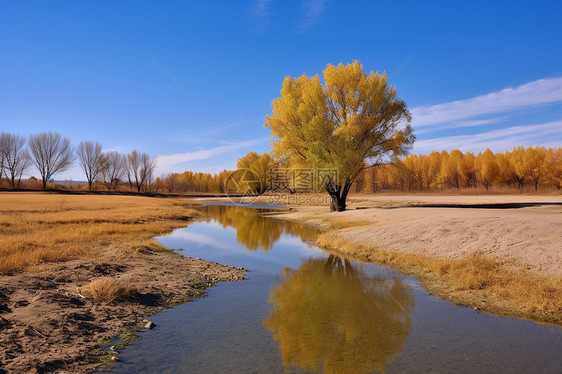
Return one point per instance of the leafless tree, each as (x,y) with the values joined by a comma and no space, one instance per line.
(1,163)
(139,169)
(50,154)
(91,160)
(15,157)
(112,169)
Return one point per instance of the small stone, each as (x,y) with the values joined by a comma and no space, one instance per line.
(114,358)
(149,325)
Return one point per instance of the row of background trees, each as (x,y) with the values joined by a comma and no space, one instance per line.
(519,169)
(50,153)
(522,168)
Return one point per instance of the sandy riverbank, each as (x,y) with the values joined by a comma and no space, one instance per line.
(504,256)
(530,234)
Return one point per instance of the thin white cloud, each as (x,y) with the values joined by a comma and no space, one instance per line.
(542,91)
(260,14)
(462,124)
(169,163)
(498,140)
(475,122)
(311,12)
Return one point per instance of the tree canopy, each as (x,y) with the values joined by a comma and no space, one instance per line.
(351,122)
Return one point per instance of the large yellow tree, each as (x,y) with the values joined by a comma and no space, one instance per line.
(350,122)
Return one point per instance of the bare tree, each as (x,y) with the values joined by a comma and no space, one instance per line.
(139,169)
(1,163)
(112,169)
(50,154)
(91,160)
(15,157)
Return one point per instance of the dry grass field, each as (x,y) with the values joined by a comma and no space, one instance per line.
(79,270)
(503,287)
(40,227)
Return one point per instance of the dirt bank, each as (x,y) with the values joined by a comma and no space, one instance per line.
(51,245)
(46,326)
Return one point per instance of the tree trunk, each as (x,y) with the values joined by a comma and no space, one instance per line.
(338,194)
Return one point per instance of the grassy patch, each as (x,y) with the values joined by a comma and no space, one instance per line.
(108,289)
(498,286)
(42,227)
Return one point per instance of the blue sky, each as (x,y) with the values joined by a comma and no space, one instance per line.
(474,74)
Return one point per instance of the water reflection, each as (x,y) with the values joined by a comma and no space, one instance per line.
(256,231)
(328,316)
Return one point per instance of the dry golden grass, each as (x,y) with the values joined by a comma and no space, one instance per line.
(499,286)
(47,227)
(108,289)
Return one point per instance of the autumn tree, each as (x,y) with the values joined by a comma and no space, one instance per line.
(351,122)
(467,170)
(450,175)
(488,168)
(111,171)
(553,167)
(14,156)
(91,160)
(534,160)
(260,166)
(51,153)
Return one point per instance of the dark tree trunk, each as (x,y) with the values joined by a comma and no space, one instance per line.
(338,195)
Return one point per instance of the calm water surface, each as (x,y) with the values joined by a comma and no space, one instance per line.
(304,310)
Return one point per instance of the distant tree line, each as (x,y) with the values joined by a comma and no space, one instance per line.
(189,181)
(224,181)
(531,168)
(50,153)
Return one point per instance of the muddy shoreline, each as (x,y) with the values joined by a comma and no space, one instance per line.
(46,326)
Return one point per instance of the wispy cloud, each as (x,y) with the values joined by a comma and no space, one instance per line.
(260,14)
(170,163)
(462,124)
(310,13)
(498,140)
(542,91)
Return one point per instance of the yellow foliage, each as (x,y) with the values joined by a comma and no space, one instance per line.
(349,124)
(260,166)
(533,166)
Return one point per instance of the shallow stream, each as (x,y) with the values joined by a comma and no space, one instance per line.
(304,310)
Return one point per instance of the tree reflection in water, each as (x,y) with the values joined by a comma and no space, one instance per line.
(254,230)
(329,317)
